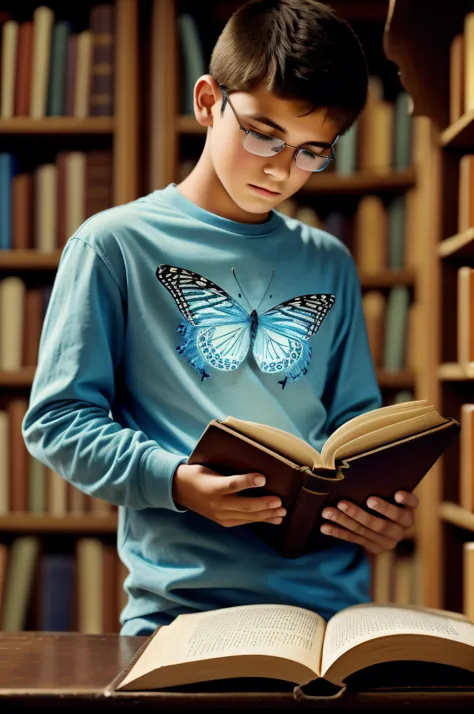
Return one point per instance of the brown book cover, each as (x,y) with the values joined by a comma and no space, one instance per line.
(18,456)
(24,69)
(61,163)
(109,589)
(365,468)
(22,198)
(102,81)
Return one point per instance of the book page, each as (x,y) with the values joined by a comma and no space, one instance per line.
(362,623)
(287,444)
(370,425)
(384,435)
(272,630)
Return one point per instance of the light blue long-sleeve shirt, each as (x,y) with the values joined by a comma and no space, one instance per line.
(115,406)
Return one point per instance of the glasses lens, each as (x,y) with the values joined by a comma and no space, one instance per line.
(308,161)
(262,144)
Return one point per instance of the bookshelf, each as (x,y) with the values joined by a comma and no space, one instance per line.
(443,51)
(86,547)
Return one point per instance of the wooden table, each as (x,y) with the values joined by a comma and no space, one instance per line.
(69,672)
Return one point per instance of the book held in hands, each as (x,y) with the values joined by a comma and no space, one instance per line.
(377,453)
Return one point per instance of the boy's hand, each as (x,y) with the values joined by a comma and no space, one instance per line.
(213,496)
(352,524)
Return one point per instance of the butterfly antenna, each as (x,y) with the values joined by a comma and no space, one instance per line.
(268,288)
(240,287)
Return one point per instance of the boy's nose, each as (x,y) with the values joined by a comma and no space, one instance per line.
(279,166)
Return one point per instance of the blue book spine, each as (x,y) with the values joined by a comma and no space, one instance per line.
(57,596)
(6,174)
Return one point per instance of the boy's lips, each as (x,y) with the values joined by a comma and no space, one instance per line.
(264,191)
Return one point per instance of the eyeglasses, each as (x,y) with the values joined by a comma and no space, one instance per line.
(260,144)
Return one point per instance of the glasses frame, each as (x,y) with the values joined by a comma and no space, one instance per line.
(226,100)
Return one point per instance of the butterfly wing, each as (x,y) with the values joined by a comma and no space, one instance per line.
(218,329)
(201,302)
(281,344)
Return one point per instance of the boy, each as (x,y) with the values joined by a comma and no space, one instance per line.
(152,330)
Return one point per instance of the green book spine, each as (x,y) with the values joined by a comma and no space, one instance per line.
(36,486)
(57,70)
(192,60)
(398,304)
(23,558)
(346,152)
(396,233)
(403,131)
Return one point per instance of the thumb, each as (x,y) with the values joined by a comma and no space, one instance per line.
(240,482)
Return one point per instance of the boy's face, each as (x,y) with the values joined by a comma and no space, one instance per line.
(244,175)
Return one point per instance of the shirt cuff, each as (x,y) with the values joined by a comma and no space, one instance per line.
(156,478)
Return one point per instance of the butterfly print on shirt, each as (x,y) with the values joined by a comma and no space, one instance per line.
(219,332)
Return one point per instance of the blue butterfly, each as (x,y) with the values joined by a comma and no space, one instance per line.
(219,332)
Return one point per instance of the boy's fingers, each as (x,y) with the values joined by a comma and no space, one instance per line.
(268,515)
(234,484)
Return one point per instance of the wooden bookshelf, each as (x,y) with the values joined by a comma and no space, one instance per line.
(459,135)
(29,260)
(454,372)
(74,524)
(17,378)
(403,379)
(452,513)
(57,125)
(386,278)
(361,182)
(420,58)
(460,245)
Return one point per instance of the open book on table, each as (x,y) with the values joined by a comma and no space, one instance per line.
(374,454)
(296,645)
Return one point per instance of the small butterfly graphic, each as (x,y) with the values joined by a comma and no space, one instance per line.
(219,332)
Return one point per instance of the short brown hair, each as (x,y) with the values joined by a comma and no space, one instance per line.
(300,50)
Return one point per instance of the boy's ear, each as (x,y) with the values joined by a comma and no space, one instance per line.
(206,95)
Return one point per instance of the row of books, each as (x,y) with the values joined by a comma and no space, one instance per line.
(27,485)
(42,209)
(48,69)
(392,322)
(22,311)
(377,233)
(61,592)
(461,71)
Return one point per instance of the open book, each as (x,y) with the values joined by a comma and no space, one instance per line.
(296,645)
(374,454)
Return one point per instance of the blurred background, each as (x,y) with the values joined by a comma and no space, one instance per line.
(96,110)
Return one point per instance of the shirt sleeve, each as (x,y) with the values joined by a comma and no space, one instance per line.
(352,387)
(68,425)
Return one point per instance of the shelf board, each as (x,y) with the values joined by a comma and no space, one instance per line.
(39,523)
(386,278)
(452,513)
(188,124)
(403,379)
(460,135)
(459,245)
(361,182)
(17,377)
(57,125)
(29,260)
(452,371)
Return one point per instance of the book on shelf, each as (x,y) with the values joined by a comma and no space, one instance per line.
(465,317)
(468,580)
(296,645)
(47,69)
(373,454)
(466,472)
